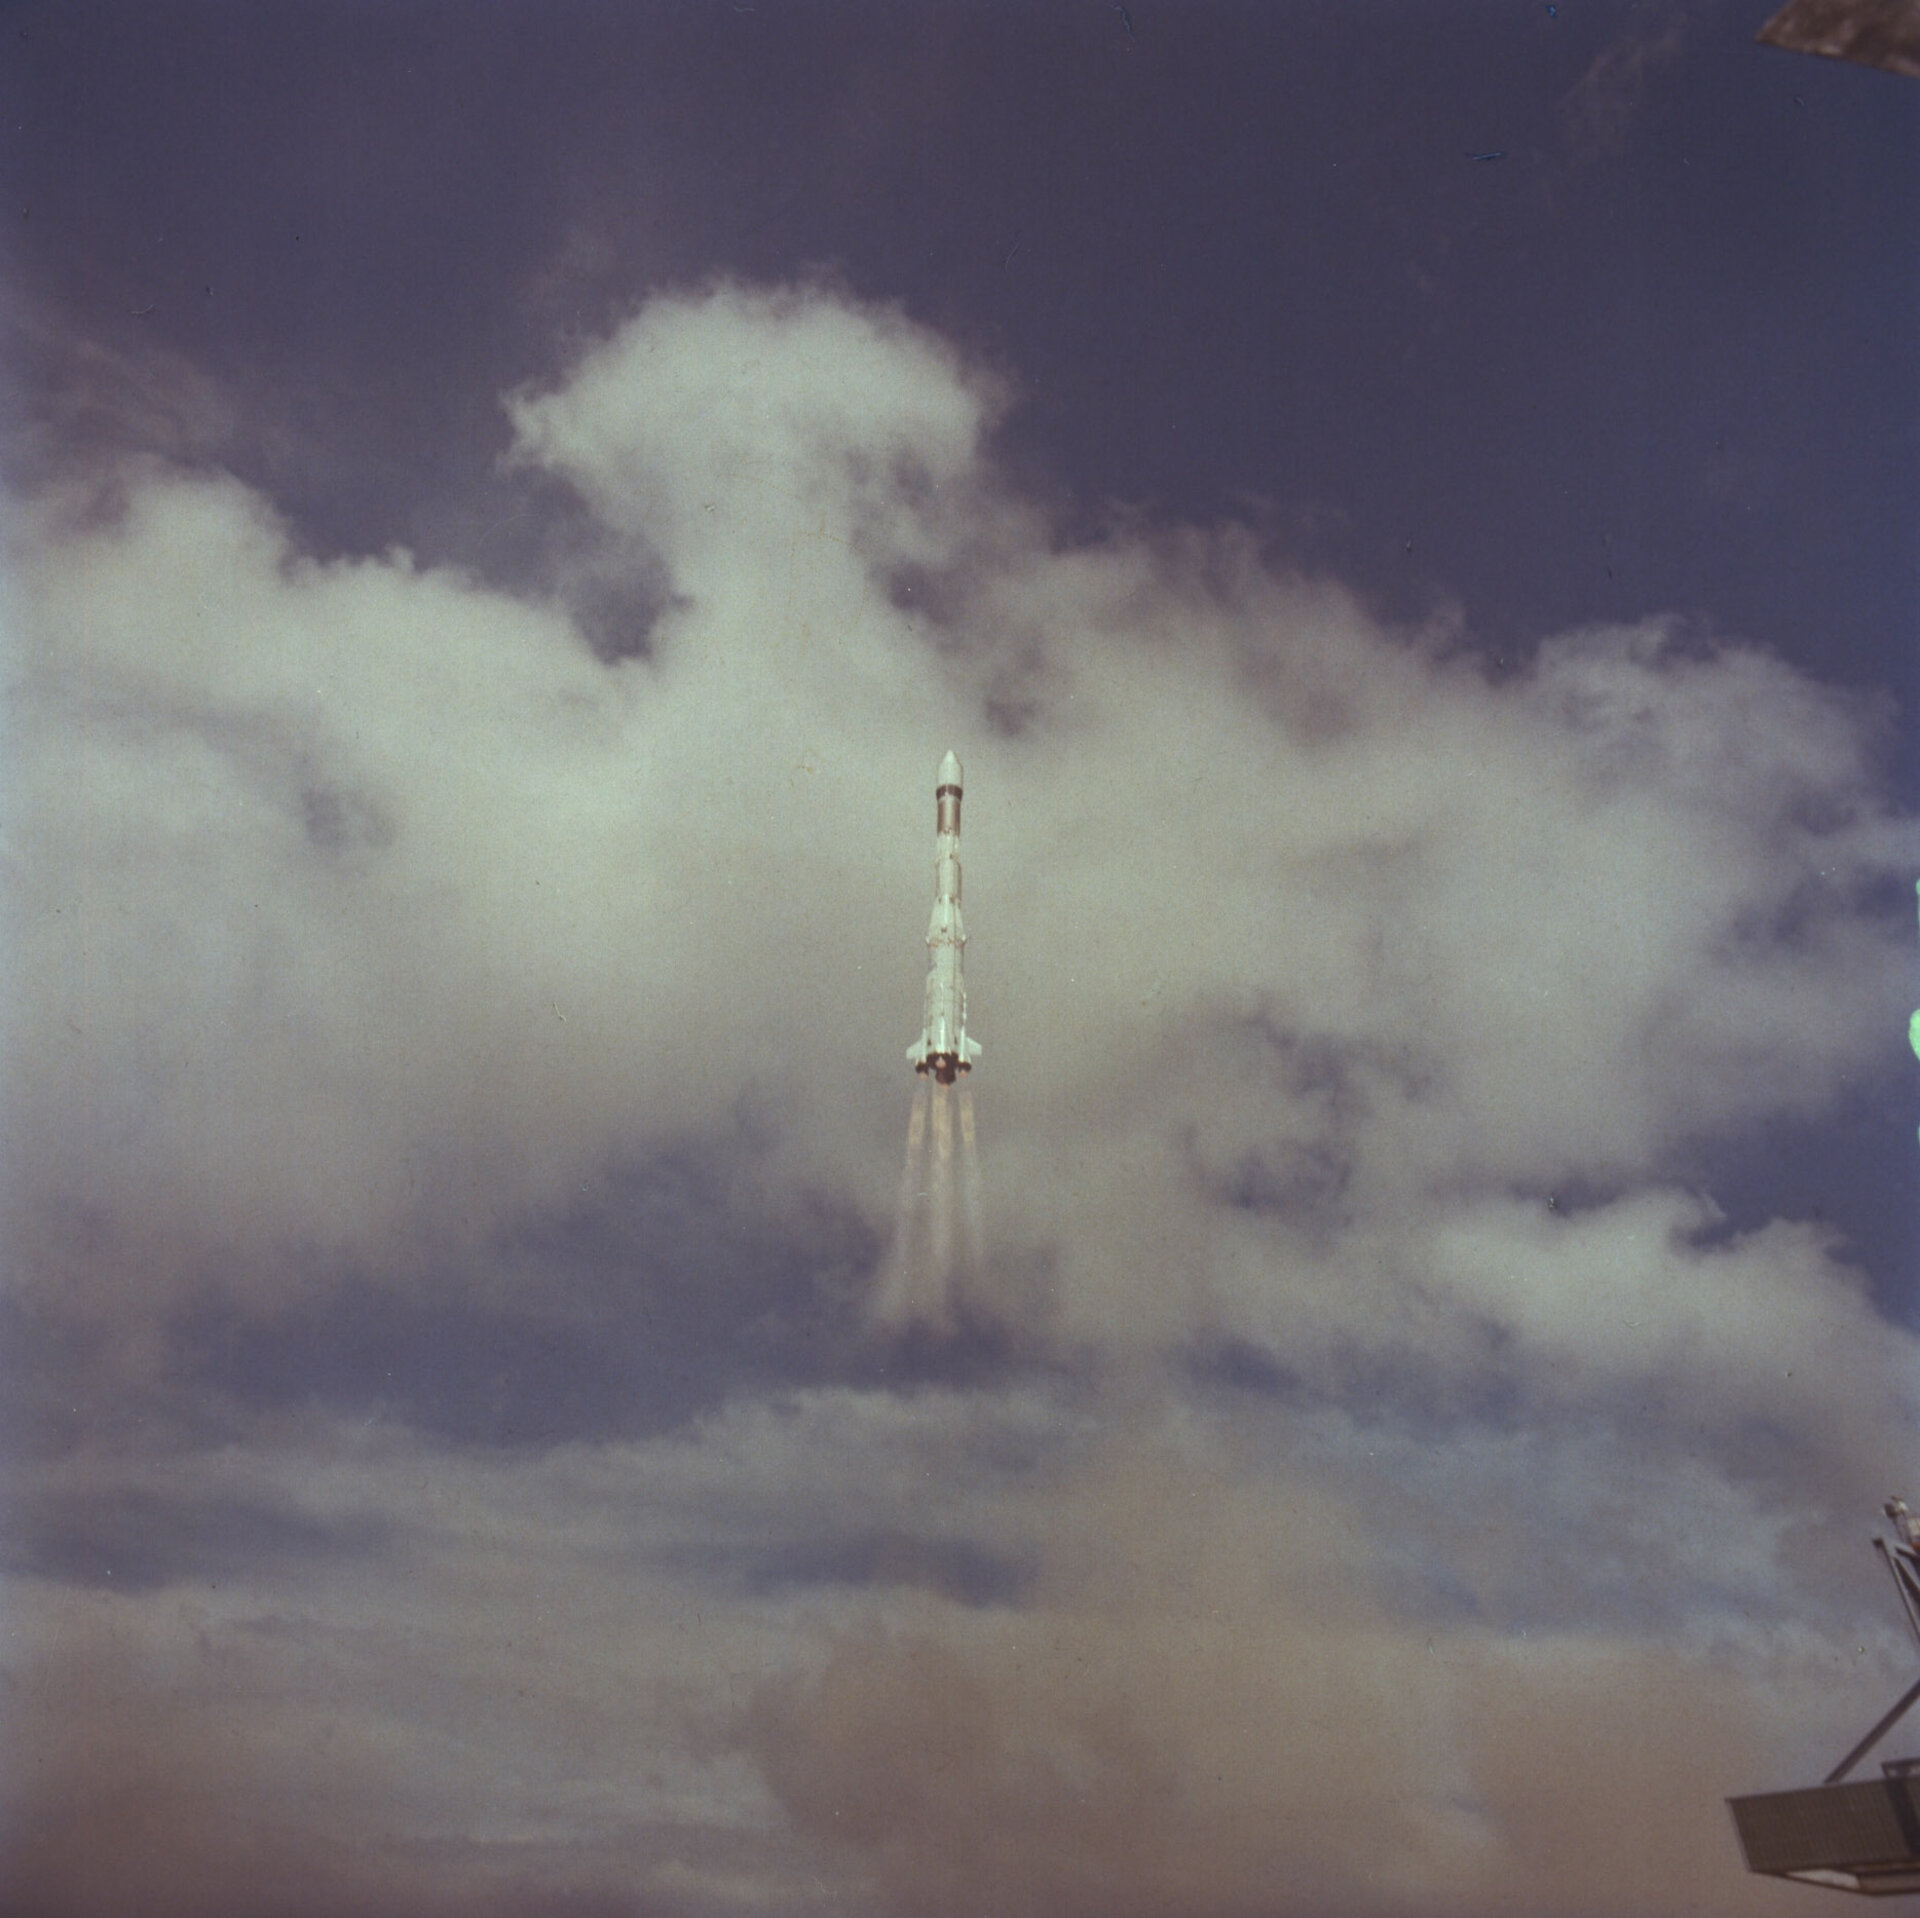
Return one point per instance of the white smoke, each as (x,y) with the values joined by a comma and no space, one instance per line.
(933,1269)
(363,911)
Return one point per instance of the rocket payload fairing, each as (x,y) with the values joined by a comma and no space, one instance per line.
(943,1047)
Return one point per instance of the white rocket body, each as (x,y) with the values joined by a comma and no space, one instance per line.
(943,1048)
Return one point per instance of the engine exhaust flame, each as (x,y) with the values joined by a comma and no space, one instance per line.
(934,1263)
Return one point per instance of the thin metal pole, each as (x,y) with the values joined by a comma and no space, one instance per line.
(1900,1564)
(1873,1737)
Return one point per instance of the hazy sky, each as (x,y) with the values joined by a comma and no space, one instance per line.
(1410,515)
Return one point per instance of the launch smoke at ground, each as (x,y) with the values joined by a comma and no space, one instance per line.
(936,1251)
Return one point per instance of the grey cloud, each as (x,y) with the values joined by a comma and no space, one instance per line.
(1636,1313)
(394,908)
(132,1539)
(650,1302)
(959,1569)
(76,403)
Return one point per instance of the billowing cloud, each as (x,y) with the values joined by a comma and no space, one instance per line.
(432,998)
(358,897)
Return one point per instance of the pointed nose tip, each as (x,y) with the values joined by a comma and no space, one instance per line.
(950,770)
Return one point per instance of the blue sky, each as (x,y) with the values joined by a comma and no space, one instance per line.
(1408,518)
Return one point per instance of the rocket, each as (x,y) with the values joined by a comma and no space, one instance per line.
(943,1047)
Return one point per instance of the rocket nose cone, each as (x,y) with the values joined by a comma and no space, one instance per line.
(950,770)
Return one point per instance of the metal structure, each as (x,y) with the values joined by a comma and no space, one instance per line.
(943,1048)
(1865,1836)
(1872,33)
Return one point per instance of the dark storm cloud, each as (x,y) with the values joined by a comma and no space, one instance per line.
(633,1312)
(959,1569)
(627,1314)
(134,1540)
(53,1361)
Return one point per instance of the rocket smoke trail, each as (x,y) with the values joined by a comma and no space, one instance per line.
(901,1298)
(937,1233)
(972,1204)
(940,1187)
(934,1266)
